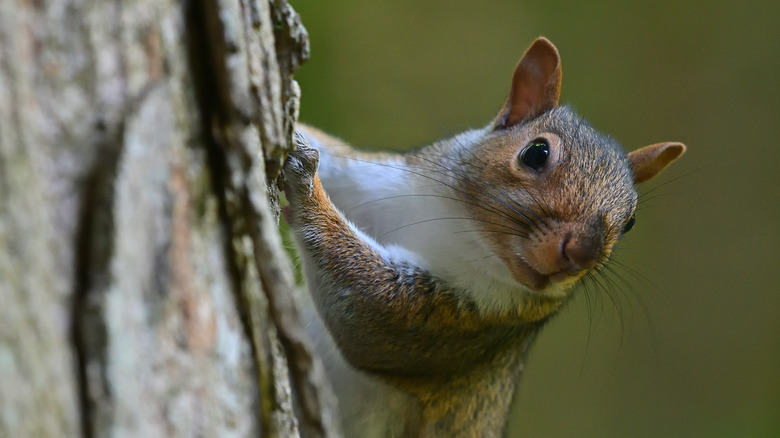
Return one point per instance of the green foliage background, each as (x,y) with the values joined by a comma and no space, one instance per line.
(694,349)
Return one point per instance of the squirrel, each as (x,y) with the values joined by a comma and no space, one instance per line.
(432,271)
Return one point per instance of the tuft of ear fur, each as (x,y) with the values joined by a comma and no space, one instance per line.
(650,160)
(536,85)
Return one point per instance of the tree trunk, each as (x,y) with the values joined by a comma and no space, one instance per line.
(144,290)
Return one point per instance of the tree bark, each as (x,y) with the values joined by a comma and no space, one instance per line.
(144,290)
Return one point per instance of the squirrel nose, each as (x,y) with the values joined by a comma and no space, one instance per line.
(579,253)
(566,253)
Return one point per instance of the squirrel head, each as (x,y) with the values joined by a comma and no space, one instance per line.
(557,195)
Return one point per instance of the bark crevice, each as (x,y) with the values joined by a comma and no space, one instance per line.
(91,257)
(204,38)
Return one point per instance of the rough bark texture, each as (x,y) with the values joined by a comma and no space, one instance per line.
(143,287)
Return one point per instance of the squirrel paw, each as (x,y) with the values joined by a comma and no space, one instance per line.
(300,169)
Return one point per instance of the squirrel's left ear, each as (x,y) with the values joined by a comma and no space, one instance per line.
(648,161)
(536,85)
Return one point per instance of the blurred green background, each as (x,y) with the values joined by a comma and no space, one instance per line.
(694,350)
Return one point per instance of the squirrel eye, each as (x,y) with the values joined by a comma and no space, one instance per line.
(629,224)
(535,154)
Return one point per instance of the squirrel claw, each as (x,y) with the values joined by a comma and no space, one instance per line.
(308,156)
(300,167)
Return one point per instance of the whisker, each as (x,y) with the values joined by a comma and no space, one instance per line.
(589,306)
(469,179)
(481,206)
(497,196)
(669,182)
(434,196)
(615,302)
(425,221)
(639,299)
(481,258)
(643,201)
(515,233)
(473,156)
(405,169)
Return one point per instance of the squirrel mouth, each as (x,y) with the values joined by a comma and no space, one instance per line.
(528,276)
(531,278)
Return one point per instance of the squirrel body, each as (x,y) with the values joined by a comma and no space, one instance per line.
(432,271)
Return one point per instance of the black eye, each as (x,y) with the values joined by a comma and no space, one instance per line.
(535,154)
(629,224)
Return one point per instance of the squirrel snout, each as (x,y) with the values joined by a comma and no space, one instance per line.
(564,254)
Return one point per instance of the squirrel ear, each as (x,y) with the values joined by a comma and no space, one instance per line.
(536,85)
(648,161)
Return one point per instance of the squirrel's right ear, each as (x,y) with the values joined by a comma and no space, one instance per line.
(648,161)
(536,85)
